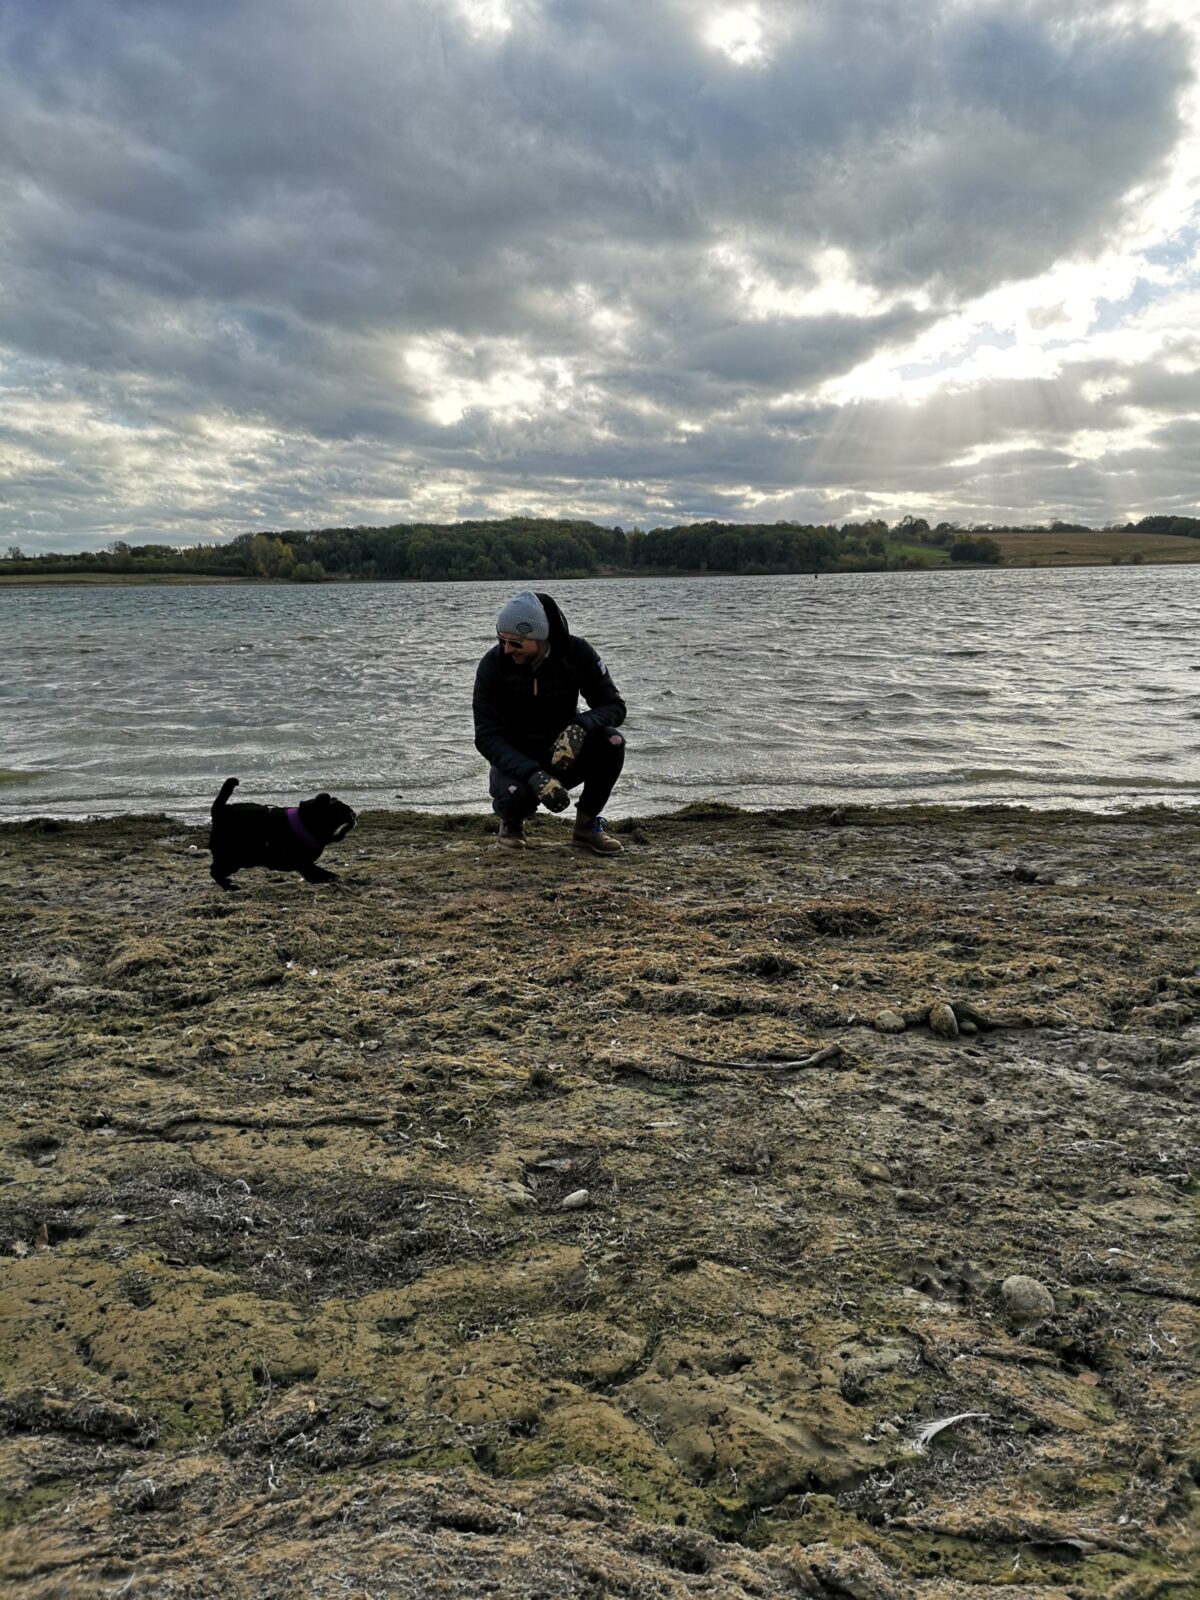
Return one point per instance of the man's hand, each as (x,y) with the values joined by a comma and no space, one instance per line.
(549,791)
(567,747)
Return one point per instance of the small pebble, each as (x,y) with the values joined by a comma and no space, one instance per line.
(942,1020)
(576,1200)
(889,1022)
(875,1171)
(1026,1300)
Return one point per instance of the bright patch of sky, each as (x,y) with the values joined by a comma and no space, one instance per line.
(486,18)
(738,33)
(1122,306)
(388,261)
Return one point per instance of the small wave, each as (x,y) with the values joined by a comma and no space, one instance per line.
(926,741)
(9,775)
(1070,780)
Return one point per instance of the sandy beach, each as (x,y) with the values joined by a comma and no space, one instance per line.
(802,1204)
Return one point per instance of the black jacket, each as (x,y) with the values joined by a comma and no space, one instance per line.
(520,711)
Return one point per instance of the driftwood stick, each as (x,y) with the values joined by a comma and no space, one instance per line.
(930,1353)
(831,1052)
(1004,1352)
(1018,1532)
(965,1013)
(220,1119)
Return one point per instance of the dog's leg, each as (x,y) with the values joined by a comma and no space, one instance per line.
(311,873)
(220,871)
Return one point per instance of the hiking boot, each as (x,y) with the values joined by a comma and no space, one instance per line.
(588,834)
(512,836)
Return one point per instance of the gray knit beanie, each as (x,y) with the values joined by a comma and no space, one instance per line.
(524,614)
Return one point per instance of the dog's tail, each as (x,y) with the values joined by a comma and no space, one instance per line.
(227,789)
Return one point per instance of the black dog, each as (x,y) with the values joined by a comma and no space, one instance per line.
(286,839)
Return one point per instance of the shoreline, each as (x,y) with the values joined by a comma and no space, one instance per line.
(1184,557)
(821,813)
(295,1254)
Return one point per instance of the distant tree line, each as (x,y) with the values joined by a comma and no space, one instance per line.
(531,548)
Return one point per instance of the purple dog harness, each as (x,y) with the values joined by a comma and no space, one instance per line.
(301,832)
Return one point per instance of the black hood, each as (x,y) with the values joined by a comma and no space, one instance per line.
(559,632)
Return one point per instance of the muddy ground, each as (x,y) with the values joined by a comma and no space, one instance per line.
(291,1301)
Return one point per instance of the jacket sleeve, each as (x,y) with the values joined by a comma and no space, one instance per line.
(490,737)
(598,689)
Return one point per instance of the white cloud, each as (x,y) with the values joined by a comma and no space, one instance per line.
(497,379)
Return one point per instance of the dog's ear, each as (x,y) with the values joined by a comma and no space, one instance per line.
(323,799)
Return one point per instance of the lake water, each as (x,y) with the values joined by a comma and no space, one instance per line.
(1053,686)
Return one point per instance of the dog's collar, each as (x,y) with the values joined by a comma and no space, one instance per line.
(298,828)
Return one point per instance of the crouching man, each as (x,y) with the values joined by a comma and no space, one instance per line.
(528,724)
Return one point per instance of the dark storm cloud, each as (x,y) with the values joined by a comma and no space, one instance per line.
(226,230)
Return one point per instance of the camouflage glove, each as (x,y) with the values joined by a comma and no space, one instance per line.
(567,747)
(549,791)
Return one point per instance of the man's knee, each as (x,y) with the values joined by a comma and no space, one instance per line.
(511,799)
(602,756)
(606,744)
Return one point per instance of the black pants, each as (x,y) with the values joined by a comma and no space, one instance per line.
(597,768)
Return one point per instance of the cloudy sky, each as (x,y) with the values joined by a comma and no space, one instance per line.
(300,263)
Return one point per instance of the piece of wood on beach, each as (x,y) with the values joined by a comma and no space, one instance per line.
(831,1052)
(965,1013)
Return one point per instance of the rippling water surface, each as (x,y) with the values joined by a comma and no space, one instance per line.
(1046,687)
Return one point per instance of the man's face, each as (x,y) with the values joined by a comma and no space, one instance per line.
(517,649)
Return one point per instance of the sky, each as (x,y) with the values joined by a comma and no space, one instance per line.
(271,264)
